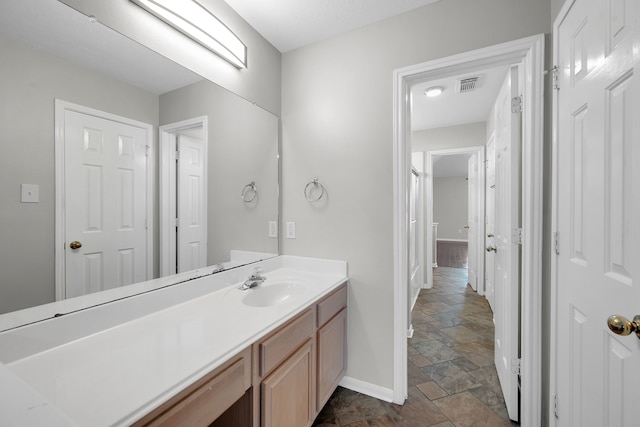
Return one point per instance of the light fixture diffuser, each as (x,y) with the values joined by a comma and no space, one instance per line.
(434,91)
(196,22)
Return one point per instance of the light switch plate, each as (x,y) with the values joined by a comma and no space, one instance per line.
(273,228)
(291,230)
(30,193)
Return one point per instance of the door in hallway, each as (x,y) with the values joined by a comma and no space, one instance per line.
(508,140)
(598,200)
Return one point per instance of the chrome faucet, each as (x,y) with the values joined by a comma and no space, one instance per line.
(254,280)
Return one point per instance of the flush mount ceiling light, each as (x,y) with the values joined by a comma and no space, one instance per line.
(434,91)
(196,22)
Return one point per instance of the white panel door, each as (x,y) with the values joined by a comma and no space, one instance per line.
(508,141)
(472,220)
(105,204)
(192,230)
(490,223)
(598,203)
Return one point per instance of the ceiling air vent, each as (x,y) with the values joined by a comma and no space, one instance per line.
(467,84)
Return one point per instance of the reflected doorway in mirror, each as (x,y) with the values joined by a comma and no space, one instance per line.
(183,195)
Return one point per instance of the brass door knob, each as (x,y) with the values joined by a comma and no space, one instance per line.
(492,249)
(466,227)
(75,245)
(620,325)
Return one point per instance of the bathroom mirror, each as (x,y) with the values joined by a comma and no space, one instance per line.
(52,52)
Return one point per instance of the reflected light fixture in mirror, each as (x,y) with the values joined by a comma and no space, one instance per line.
(434,91)
(199,24)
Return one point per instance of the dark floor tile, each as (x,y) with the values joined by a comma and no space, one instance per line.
(464,410)
(326,418)
(462,334)
(451,374)
(353,407)
(436,351)
(416,411)
(450,377)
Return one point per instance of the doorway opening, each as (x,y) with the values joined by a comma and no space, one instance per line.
(529,53)
(183,195)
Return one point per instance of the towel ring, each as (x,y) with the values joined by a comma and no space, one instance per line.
(307,191)
(249,192)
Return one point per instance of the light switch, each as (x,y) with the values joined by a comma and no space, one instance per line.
(30,193)
(273,229)
(291,230)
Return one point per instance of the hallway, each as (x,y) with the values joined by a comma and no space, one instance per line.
(452,378)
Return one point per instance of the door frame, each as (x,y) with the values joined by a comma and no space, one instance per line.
(530,51)
(60,109)
(479,150)
(167,187)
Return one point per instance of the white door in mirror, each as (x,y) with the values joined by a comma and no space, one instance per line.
(105,192)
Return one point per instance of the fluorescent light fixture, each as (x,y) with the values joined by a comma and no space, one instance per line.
(434,91)
(195,21)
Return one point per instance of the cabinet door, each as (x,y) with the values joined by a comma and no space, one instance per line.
(332,357)
(288,393)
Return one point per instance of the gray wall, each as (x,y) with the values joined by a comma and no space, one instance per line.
(337,123)
(259,83)
(446,138)
(30,80)
(450,207)
(556,5)
(242,147)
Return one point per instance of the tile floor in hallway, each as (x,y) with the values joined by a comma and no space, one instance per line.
(452,378)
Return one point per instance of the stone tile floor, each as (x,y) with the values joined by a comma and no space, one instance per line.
(452,378)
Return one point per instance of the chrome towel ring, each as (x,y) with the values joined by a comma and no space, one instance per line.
(249,192)
(308,190)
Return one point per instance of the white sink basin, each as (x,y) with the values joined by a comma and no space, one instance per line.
(274,294)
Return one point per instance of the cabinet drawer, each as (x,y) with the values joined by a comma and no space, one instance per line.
(204,401)
(331,305)
(285,341)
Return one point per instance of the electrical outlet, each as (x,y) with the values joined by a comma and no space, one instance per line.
(291,230)
(273,229)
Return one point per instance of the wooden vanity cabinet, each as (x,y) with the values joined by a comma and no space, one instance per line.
(208,398)
(287,394)
(331,344)
(299,365)
(282,380)
(284,372)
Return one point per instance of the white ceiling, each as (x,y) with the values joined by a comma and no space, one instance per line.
(58,29)
(451,108)
(290,24)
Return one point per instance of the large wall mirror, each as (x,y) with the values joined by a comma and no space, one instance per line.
(57,64)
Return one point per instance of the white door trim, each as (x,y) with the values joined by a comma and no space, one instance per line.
(479,150)
(59,145)
(167,187)
(553,262)
(531,51)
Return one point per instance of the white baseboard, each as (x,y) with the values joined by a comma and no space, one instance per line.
(410,332)
(369,389)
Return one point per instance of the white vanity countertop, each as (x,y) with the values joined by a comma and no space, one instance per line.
(115,375)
